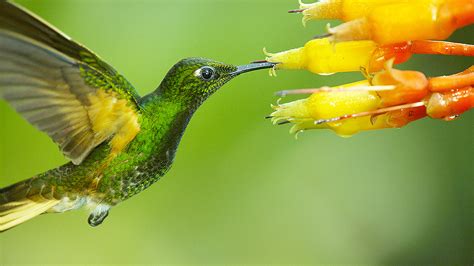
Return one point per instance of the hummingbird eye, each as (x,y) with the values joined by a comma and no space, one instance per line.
(206,73)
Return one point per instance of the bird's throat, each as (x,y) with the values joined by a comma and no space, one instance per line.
(164,121)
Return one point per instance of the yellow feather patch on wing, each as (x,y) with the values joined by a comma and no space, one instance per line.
(44,76)
(110,115)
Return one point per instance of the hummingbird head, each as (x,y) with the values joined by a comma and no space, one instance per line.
(193,80)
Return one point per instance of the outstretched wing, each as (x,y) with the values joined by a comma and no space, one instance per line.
(62,88)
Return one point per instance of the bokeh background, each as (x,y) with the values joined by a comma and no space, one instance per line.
(242,190)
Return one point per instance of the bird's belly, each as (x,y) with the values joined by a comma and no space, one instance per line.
(68,204)
(134,175)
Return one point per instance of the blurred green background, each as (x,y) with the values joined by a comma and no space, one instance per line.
(242,190)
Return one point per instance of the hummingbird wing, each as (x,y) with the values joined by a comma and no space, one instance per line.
(62,88)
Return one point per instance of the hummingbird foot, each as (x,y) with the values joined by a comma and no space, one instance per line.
(98,215)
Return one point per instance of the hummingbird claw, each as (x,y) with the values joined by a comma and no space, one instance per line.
(98,216)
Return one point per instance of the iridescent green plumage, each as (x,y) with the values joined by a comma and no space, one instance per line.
(119,143)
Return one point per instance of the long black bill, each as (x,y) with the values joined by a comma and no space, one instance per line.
(252,67)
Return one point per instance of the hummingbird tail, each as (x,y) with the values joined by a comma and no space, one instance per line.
(21,202)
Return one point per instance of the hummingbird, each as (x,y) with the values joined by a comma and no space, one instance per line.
(118,143)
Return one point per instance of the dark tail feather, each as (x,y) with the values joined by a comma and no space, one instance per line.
(21,202)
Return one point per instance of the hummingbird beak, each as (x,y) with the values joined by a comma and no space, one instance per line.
(251,67)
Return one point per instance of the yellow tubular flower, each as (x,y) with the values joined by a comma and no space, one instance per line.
(344,10)
(405,21)
(322,57)
(326,105)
